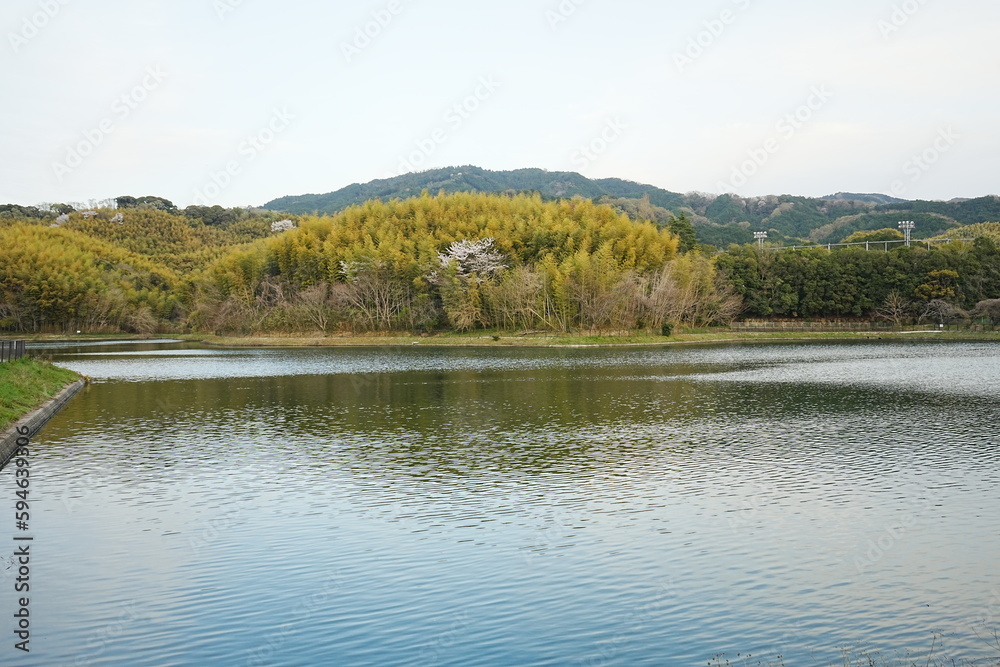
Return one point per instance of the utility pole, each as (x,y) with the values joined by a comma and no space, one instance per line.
(761,237)
(907,226)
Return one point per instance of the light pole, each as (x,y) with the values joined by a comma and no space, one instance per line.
(761,237)
(907,226)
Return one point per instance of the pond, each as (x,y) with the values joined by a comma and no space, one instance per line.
(438,506)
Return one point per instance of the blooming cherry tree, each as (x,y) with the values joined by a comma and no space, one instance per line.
(470,258)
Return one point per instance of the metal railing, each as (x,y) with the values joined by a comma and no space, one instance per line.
(11,350)
(871,245)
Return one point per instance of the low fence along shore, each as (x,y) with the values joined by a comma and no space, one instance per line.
(11,350)
(820,326)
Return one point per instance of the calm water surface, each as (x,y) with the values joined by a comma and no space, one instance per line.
(513,507)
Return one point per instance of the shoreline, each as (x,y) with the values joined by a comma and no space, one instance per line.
(580,341)
(86,338)
(533,340)
(29,423)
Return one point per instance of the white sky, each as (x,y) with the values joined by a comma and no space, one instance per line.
(227,66)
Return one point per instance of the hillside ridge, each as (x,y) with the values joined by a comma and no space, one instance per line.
(718,219)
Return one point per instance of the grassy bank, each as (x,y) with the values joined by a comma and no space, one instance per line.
(26,384)
(509,339)
(506,339)
(82,337)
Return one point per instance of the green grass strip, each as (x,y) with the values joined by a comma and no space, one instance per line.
(26,384)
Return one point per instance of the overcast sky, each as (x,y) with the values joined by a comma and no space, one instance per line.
(236,102)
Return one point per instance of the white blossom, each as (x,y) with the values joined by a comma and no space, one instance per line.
(282,226)
(473,257)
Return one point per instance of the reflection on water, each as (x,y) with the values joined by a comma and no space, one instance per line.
(498,507)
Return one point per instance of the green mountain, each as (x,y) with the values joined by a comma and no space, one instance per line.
(550,184)
(718,219)
(870,198)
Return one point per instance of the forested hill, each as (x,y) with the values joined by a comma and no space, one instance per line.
(550,184)
(464,261)
(718,219)
(867,198)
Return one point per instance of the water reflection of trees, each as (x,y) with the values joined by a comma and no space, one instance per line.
(461,423)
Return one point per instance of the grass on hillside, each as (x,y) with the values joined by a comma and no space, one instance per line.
(27,383)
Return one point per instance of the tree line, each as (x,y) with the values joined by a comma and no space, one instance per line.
(58,279)
(945,283)
(458,262)
(462,262)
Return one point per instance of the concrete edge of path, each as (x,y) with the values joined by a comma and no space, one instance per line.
(34,421)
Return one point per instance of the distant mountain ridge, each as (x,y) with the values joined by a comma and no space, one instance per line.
(718,219)
(550,184)
(866,198)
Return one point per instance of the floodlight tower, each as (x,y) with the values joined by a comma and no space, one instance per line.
(907,226)
(761,237)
